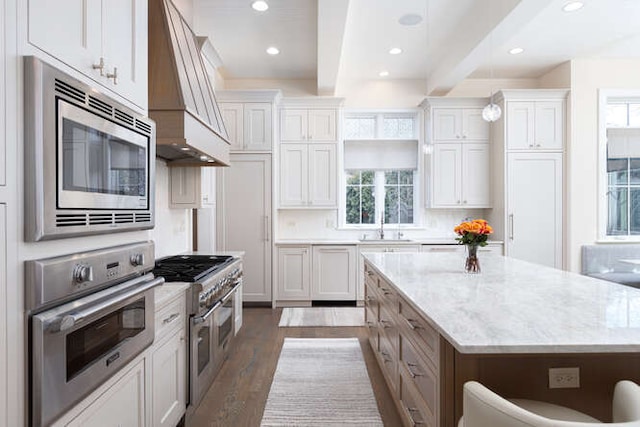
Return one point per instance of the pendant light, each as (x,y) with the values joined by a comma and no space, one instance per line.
(491,112)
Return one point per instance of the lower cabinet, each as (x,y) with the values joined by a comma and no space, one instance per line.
(294,274)
(168,382)
(123,404)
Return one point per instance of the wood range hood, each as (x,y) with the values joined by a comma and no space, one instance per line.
(189,126)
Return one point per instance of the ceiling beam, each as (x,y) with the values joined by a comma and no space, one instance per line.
(473,51)
(332,20)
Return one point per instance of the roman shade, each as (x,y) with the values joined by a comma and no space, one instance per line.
(380,154)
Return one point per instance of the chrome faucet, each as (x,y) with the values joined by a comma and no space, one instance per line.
(381,226)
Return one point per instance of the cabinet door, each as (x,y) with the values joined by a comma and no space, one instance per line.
(322,125)
(125,47)
(293,125)
(520,125)
(334,273)
(257,126)
(447,124)
(446,185)
(207,187)
(69,30)
(549,126)
(474,127)
(534,207)
(294,278)
(233,117)
(322,175)
(476,178)
(184,187)
(294,176)
(121,405)
(243,214)
(169,381)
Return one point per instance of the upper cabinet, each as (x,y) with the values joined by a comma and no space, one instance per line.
(308,125)
(249,118)
(454,124)
(105,40)
(535,125)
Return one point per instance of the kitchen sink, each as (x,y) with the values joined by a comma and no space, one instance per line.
(386,240)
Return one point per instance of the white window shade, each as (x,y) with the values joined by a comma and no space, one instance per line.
(380,154)
(623,143)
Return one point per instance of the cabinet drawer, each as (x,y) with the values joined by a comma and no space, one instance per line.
(420,372)
(389,326)
(388,297)
(423,334)
(370,276)
(413,409)
(170,317)
(388,360)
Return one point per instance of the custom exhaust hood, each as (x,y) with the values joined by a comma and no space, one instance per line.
(189,127)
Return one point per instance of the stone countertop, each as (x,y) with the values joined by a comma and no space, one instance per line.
(385,242)
(515,306)
(168,291)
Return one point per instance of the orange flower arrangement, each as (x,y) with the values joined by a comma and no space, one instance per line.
(473,232)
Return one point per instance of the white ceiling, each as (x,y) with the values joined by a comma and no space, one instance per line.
(454,41)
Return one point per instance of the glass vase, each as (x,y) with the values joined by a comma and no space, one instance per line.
(472,264)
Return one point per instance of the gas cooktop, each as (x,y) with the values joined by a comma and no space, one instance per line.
(190,268)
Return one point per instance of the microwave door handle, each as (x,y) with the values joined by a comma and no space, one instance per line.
(68,321)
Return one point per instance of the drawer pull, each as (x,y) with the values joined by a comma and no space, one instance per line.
(412,325)
(370,324)
(413,374)
(370,298)
(170,319)
(386,291)
(414,422)
(385,324)
(369,273)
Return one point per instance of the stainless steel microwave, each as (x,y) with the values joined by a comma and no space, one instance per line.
(89,161)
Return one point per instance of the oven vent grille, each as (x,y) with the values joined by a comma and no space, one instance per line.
(143,217)
(70,91)
(127,118)
(95,219)
(122,218)
(100,105)
(70,220)
(143,127)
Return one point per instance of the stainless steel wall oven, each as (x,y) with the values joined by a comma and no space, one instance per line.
(89,315)
(89,161)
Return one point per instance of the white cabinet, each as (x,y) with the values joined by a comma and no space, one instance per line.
(451,124)
(460,176)
(169,380)
(308,125)
(535,125)
(534,207)
(243,219)
(105,40)
(249,125)
(294,273)
(192,187)
(308,175)
(334,273)
(123,404)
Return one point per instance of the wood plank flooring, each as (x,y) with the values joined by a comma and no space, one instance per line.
(239,393)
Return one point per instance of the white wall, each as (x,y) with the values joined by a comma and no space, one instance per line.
(558,78)
(588,76)
(483,87)
(382,93)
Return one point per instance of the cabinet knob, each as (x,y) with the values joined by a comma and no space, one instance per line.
(537,145)
(458,202)
(458,136)
(99,66)
(464,136)
(464,201)
(113,75)
(310,136)
(530,145)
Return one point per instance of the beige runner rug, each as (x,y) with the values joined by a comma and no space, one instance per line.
(321,382)
(322,316)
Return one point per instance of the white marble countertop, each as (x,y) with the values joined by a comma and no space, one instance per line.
(515,306)
(168,291)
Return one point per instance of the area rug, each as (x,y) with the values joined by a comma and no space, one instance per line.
(321,382)
(322,316)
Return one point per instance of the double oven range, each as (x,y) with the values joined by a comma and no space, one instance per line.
(211,304)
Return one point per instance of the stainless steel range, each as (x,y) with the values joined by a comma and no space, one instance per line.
(211,305)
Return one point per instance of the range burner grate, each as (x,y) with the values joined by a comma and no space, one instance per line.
(190,268)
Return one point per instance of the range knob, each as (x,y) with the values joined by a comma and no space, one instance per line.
(82,273)
(137,260)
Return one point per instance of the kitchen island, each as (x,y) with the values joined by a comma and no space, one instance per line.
(433,327)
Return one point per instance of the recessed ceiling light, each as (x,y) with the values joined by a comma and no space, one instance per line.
(260,5)
(516,51)
(273,50)
(383,73)
(572,6)
(204,158)
(185,148)
(395,51)
(410,19)
(211,161)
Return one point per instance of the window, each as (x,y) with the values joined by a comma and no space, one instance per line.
(380,168)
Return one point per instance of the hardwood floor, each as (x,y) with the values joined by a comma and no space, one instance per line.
(239,393)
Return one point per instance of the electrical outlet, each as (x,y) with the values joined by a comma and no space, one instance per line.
(564,377)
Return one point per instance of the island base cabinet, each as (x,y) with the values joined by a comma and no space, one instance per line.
(168,388)
(123,404)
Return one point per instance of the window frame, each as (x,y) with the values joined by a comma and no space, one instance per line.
(605,97)
(417,116)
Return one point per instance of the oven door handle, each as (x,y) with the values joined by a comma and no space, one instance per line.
(231,292)
(201,319)
(68,321)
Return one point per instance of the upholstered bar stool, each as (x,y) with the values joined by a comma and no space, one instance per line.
(484,408)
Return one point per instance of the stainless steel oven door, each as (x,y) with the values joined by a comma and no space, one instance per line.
(224,321)
(203,348)
(79,345)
